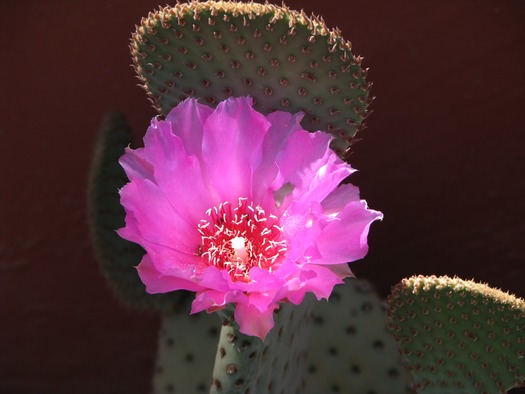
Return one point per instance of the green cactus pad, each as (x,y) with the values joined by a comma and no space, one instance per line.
(245,364)
(282,58)
(343,347)
(351,350)
(118,257)
(459,336)
(186,353)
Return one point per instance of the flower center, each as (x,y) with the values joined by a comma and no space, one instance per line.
(237,238)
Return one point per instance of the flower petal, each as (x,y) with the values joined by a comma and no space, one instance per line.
(156,282)
(156,220)
(231,147)
(336,201)
(254,322)
(187,120)
(321,281)
(178,175)
(345,239)
(311,167)
(135,165)
(212,300)
(282,125)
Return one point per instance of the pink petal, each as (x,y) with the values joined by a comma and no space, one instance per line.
(311,167)
(345,239)
(167,260)
(174,262)
(215,279)
(212,300)
(156,282)
(131,231)
(322,283)
(261,301)
(187,120)
(135,165)
(156,220)
(208,299)
(178,176)
(282,125)
(301,229)
(254,322)
(231,147)
(336,201)
(261,281)
(298,160)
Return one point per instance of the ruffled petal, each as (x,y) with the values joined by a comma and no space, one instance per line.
(208,299)
(135,165)
(214,278)
(156,220)
(212,300)
(156,282)
(314,171)
(336,201)
(320,282)
(254,322)
(262,301)
(168,261)
(345,238)
(178,175)
(187,121)
(174,262)
(282,125)
(231,147)
(301,229)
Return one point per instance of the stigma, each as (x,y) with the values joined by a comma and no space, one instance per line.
(237,238)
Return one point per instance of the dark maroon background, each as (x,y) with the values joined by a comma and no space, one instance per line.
(443,158)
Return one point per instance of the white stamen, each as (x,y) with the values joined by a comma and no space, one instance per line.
(239,238)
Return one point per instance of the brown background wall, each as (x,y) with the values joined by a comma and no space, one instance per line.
(442,158)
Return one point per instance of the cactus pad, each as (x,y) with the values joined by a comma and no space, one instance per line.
(351,350)
(284,59)
(459,336)
(245,364)
(343,347)
(185,353)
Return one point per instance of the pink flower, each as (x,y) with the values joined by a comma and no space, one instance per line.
(241,208)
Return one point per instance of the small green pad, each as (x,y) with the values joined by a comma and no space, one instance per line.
(282,58)
(459,336)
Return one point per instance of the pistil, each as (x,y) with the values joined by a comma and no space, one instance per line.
(241,237)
